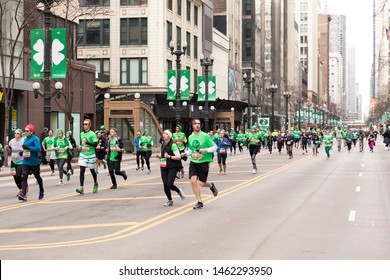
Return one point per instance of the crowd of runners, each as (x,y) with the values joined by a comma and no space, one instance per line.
(105,148)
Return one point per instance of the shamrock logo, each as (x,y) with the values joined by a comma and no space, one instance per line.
(57,56)
(196,145)
(39,55)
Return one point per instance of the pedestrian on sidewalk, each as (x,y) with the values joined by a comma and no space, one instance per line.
(14,147)
(69,169)
(147,144)
(139,152)
(61,147)
(87,157)
(169,166)
(201,148)
(48,147)
(31,163)
(115,150)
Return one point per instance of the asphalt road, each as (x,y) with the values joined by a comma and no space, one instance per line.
(305,208)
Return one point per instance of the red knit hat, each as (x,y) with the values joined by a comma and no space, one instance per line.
(30,127)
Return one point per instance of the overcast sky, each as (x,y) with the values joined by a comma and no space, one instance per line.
(360,33)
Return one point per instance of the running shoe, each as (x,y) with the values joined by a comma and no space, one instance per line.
(60,183)
(198,205)
(182,194)
(113,187)
(41,195)
(168,203)
(149,171)
(213,189)
(22,197)
(68,176)
(124,175)
(95,188)
(80,190)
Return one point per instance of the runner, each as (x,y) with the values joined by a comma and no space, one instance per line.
(328,143)
(61,147)
(181,141)
(114,149)
(222,146)
(147,144)
(87,157)
(48,147)
(169,166)
(200,148)
(14,146)
(254,147)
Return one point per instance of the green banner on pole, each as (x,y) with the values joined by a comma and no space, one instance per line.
(184,84)
(37,38)
(212,93)
(171,94)
(58,53)
(263,123)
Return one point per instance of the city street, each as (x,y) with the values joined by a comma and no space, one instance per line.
(307,208)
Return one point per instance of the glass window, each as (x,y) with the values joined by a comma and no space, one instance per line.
(179,7)
(188,39)
(169,32)
(130,2)
(178,37)
(134,71)
(94,32)
(195,47)
(196,15)
(188,10)
(247,7)
(134,31)
(94,3)
(102,65)
(169,4)
(169,64)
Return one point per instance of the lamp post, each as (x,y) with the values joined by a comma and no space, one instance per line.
(248,81)
(299,113)
(206,63)
(273,88)
(178,53)
(308,115)
(287,95)
(47,94)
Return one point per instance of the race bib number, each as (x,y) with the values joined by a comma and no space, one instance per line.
(197,155)
(13,171)
(26,153)
(288,142)
(61,151)
(222,150)
(163,162)
(85,148)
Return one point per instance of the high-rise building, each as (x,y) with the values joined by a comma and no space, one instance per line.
(351,80)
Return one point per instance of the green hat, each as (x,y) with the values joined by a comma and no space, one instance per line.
(69,132)
(18,130)
(102,127)
(145,130)
(254,127)
(60,131)
(97,131)
(179,126)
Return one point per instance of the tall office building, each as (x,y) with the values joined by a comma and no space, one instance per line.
(351,81)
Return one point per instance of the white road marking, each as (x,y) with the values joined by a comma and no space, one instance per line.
(357,189)
(360,174)
(362,165)
(352,216)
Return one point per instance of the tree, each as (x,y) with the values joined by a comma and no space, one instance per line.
(12,23)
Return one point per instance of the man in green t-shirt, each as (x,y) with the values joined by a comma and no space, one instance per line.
(180,139)
(147,143)
(114,148)
(87,157)
(233,140)
(201,148)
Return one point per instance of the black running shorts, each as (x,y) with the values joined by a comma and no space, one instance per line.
(201,170)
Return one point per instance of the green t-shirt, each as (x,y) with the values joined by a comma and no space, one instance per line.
(146,143)
(86,149)
(252,137)
(240,137)
(49,143)
(62,143)
(233,136)
(197,142)
(296,134)
(180,140)
(113,151)
(328,140)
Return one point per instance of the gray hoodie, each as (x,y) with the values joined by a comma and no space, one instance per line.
(14,146)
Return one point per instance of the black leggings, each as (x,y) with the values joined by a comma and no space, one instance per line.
(69,164)
(114,168)
(253,150)
(18,175)
(233,146)
(60,164)
(147,156)
(35,170)
(222,158)
(168,176)
(82,178)
(51,164)
(140,155)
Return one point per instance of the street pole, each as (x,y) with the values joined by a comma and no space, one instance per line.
(178,53)
(248,81)
(299,114)
(308,118)
(47,64)
(287,95)
(206,63)
(273,88)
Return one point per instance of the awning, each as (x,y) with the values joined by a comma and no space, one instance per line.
(19,84)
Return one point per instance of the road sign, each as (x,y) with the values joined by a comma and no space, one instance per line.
(264,123)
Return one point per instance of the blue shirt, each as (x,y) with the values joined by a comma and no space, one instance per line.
(136,144)
(34,145)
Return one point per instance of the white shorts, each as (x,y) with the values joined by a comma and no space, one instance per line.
(87,161)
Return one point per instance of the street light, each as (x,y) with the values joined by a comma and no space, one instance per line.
(178,53)
(248,81)
(287,95)
(47,95)
(206,63)
(308,113)
(273,88)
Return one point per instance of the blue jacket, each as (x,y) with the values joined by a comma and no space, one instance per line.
(222,144)
(34,145)
(136,144)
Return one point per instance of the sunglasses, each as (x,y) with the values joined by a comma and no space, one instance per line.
(17,133)
(27,131)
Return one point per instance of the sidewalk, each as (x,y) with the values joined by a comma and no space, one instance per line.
(6,171)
